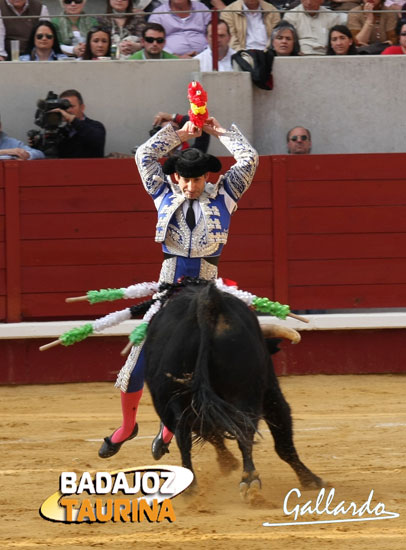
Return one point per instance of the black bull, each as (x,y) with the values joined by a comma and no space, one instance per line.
(211,377)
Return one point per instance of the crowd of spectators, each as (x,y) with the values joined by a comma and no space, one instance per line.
(310,27)
(172,29)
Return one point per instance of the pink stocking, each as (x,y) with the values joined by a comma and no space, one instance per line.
(129,406)
(166,435)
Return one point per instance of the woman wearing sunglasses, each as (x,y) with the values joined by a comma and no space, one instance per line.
(43,44)
(125,29)
(72,29)
(401,49)
(98,44)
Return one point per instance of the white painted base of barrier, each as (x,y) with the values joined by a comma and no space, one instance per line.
(327,321)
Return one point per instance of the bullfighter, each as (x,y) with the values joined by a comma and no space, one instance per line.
(193,226)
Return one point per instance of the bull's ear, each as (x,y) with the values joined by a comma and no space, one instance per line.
(272,345)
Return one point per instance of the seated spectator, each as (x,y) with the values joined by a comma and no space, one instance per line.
(98,44)
(340,41)
(72,29)
(125,29)
(15,29)
(299,141)
(284,39)
(312,22)
(185,30)
(11,148)
(43,44)
(178,121)
(401,49)
(153,43)
(369,28)
(223,47)
(250,30)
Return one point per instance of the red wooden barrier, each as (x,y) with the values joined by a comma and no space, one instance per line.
(317,232)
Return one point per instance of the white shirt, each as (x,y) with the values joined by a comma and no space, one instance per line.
(256,37)
(206,60)
(196,208)
(44,14)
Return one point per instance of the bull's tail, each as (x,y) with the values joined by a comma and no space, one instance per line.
(212,414)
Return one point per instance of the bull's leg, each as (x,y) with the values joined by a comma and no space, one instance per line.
(184,441)
(277,415)
(250,482)
(225,458)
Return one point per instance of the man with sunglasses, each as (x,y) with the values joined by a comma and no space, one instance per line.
(299,141)
(153,43)
(18,29)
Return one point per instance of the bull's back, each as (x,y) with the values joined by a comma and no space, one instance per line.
(229,331)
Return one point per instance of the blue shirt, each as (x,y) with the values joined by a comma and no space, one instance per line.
(11,143)
(52,56)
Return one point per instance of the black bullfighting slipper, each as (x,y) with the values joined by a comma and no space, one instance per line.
(159,447)
(109,448)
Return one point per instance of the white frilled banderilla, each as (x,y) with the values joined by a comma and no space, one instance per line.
(160,293)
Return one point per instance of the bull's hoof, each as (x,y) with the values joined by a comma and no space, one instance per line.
(250,487)
(314,482)
(109,448)
(311,481)
(159,448)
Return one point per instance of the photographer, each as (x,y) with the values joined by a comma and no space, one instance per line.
(86,137)
(65,130)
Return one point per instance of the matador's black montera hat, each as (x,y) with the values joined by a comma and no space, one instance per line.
(191,163)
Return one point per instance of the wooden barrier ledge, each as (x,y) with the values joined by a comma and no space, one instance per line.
(325,321)
(333,343)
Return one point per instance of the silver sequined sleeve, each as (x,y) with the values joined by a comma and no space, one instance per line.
(147,156)
(237,180)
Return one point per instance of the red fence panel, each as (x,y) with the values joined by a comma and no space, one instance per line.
(2,245)
(347,231)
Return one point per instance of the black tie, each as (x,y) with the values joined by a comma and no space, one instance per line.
(190,215)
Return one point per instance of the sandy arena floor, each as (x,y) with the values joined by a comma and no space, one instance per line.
(350,430)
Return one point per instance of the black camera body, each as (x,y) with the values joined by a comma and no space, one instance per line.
(52,124)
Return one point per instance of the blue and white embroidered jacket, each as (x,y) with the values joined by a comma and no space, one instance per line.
(217,202)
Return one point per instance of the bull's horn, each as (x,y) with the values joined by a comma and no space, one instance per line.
(277,331)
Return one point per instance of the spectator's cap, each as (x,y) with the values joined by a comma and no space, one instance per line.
(191,163)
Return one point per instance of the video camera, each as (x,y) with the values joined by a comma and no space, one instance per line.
(52,124)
